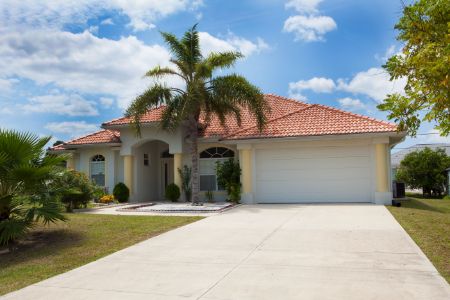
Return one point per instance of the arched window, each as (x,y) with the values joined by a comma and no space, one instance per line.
(207,164)
(97,166)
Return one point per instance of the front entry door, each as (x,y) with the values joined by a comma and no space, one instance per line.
(167,175)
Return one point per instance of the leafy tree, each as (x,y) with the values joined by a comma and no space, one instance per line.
(425,169)
(25,174)
(424,62)
(229,176)
(204,95)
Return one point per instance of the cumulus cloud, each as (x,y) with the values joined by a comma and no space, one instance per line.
(209,43)
(55,14)
(351,104)
(374,83)
(308,25)
(309,28)
(74,129)
(316,84)
(80,62)
(61,104)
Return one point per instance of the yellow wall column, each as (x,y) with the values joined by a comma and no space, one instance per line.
(177,164)
(128,162)
(70,163)
(245,160)
(381,168)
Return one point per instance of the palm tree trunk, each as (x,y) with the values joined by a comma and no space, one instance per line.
(194,156)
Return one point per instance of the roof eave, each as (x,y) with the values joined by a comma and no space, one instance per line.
(315,137)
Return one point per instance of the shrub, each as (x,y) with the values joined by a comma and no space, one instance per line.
(107,199)
(172,192)
(446,197)
(75,189)
(185,175)
(121,192)
(229,176)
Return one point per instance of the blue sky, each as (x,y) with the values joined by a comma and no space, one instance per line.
(67,67)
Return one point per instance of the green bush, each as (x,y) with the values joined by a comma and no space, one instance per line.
(446,197)
(121,192)
(229,176)
(75,189)
(172,192)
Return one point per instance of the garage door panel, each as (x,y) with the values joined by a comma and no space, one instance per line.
(308,152)
(332,174)
(300,176)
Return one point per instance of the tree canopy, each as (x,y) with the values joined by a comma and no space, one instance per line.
(425,169)
(424,28)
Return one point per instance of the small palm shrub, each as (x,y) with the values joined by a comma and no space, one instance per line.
(121,192)
(26,173)
(209,196)
(172,192)
(229,176)
(186,187)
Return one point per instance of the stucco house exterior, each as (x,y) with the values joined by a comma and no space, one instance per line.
(307,153)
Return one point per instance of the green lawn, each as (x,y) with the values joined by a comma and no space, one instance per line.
(60,247)
(427,221)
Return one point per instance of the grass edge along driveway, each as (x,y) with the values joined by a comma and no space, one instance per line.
(58,248)
(427,221)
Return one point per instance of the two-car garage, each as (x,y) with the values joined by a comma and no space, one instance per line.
(312,173)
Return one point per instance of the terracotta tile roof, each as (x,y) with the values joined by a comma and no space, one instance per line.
(153,115)
(314,120)
(287,118)
(104,136)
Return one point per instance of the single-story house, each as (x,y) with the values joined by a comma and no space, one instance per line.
(307,153)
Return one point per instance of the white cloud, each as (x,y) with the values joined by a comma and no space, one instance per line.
(107,21)
(297,96)
(374,83)
(309,28)
(433,136)
(106,102)
(55,14)
(62,104)
(209,43)
(304,6)
(308,25)
(74,129)
(6,84)
(80,62)
(316,84)
(351,104)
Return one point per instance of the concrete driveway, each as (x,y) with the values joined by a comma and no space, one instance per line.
(262,252)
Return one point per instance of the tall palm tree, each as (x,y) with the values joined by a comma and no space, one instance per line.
(204,95)
(25,174)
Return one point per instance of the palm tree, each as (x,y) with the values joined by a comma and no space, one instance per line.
(25,174)
(204,95)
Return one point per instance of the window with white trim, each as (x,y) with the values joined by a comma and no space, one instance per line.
(207,167)
(97,169)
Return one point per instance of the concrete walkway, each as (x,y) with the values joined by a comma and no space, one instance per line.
(262,252)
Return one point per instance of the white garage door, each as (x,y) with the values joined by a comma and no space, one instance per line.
(313,174)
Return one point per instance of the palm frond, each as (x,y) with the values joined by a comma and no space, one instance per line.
(151,98)
(159,72)
(236,89)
